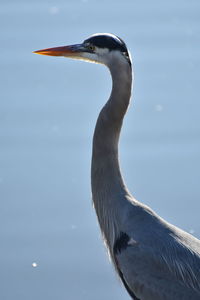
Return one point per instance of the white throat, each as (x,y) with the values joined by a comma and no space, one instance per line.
(105,56)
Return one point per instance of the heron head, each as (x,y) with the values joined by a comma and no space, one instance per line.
(99,48)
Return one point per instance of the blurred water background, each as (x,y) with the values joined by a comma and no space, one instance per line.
(50,242)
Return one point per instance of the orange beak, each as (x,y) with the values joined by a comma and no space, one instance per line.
(68,51)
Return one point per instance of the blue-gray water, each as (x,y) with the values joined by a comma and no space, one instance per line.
(48,109)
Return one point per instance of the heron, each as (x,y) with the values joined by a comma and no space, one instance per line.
(154,259)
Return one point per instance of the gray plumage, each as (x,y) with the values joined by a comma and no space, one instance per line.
(154,259)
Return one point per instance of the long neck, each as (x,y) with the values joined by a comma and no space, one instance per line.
(108,188)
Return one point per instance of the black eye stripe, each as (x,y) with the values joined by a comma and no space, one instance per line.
(107,41)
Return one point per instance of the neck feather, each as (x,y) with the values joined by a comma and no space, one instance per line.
(108,188)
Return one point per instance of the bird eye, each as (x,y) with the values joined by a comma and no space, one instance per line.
(91,47)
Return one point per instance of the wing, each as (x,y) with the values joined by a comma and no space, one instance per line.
(164,266)
(151,278)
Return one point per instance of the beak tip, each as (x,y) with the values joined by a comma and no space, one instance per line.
(41,52)
(35,52)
